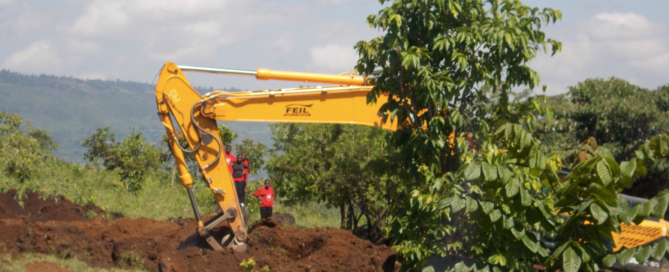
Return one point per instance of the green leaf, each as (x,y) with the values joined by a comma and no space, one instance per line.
(609,260)
(627,168)
(658,250)
(661,206)
(642,254)
(512,188)
(473,171)
(531,245)
(486,206)
(571,262)
(495,215)
(457,204)
(507,222)
(471,205)
(519,234)
(598,213)
(626,182)
(489,172)
(625,256)
(603,173)
(525,197)
(444,202)
(646,208)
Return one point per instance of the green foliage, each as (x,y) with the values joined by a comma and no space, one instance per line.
(247,265)
(22,154)
(255,154)
(619,115)
(227,135)
(133,157)
(440,61)
(329,163)
(615,112)
(129,258)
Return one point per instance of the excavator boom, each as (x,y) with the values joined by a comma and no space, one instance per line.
(196,115)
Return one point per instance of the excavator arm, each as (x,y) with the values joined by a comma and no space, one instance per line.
(196,115)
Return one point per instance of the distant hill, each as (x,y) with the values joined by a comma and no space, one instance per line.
(73,108)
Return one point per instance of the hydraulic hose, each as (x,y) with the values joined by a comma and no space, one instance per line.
(199,128)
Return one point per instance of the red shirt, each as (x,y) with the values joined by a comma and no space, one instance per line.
(266,197)
(246,174)
(229,159)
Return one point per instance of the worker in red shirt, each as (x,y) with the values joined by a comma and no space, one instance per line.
(246,174)
(266,196)
(229,157)
(238,171)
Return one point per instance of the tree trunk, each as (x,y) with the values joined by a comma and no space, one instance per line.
(350,218)
(370,228)
(342,216)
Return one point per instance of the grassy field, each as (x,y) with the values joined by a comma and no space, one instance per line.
(18,263)
(161,198)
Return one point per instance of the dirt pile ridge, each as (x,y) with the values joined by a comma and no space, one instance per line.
(62,228)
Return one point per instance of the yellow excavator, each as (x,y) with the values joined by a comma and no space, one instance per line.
(344,101)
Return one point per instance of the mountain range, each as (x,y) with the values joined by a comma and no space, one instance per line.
(72,109)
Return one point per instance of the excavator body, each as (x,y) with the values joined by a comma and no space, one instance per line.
(196,115)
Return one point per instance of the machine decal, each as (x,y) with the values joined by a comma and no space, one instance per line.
(297,110)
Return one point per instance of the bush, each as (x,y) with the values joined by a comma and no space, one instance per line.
(133,158)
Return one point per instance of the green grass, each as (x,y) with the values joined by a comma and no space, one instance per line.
(311,215)
(10,264)
(162,196)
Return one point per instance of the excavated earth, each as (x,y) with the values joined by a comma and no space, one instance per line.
(57,226)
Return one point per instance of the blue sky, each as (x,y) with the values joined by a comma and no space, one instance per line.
(130,40)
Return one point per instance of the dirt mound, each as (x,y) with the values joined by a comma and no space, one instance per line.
(36,208)
(61,228)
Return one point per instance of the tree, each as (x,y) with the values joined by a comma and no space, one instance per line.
(133,158)
(329,162)
(255,154)
(434,59)
(619,115)
(475,181)
(22,152)
(616,113)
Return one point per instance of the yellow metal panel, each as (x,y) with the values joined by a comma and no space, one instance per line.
(633,235)
(338,107)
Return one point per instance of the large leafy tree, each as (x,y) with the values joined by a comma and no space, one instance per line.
(619,115)
(133,158)
(329,162)
(23,150)
(474,179)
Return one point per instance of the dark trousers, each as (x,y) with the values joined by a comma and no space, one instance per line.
(240,187)
(265,212)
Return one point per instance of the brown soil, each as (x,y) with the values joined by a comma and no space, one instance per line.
(61,228)
(45,267)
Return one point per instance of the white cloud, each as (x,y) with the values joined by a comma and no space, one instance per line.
(624,45)
(33,59)
(130,40)
(5,2)
(333,57)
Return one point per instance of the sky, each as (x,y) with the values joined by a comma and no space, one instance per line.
(131,40)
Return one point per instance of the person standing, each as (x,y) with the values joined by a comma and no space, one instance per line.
(266,196)
(246,174)
(238,171)
(229,157)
